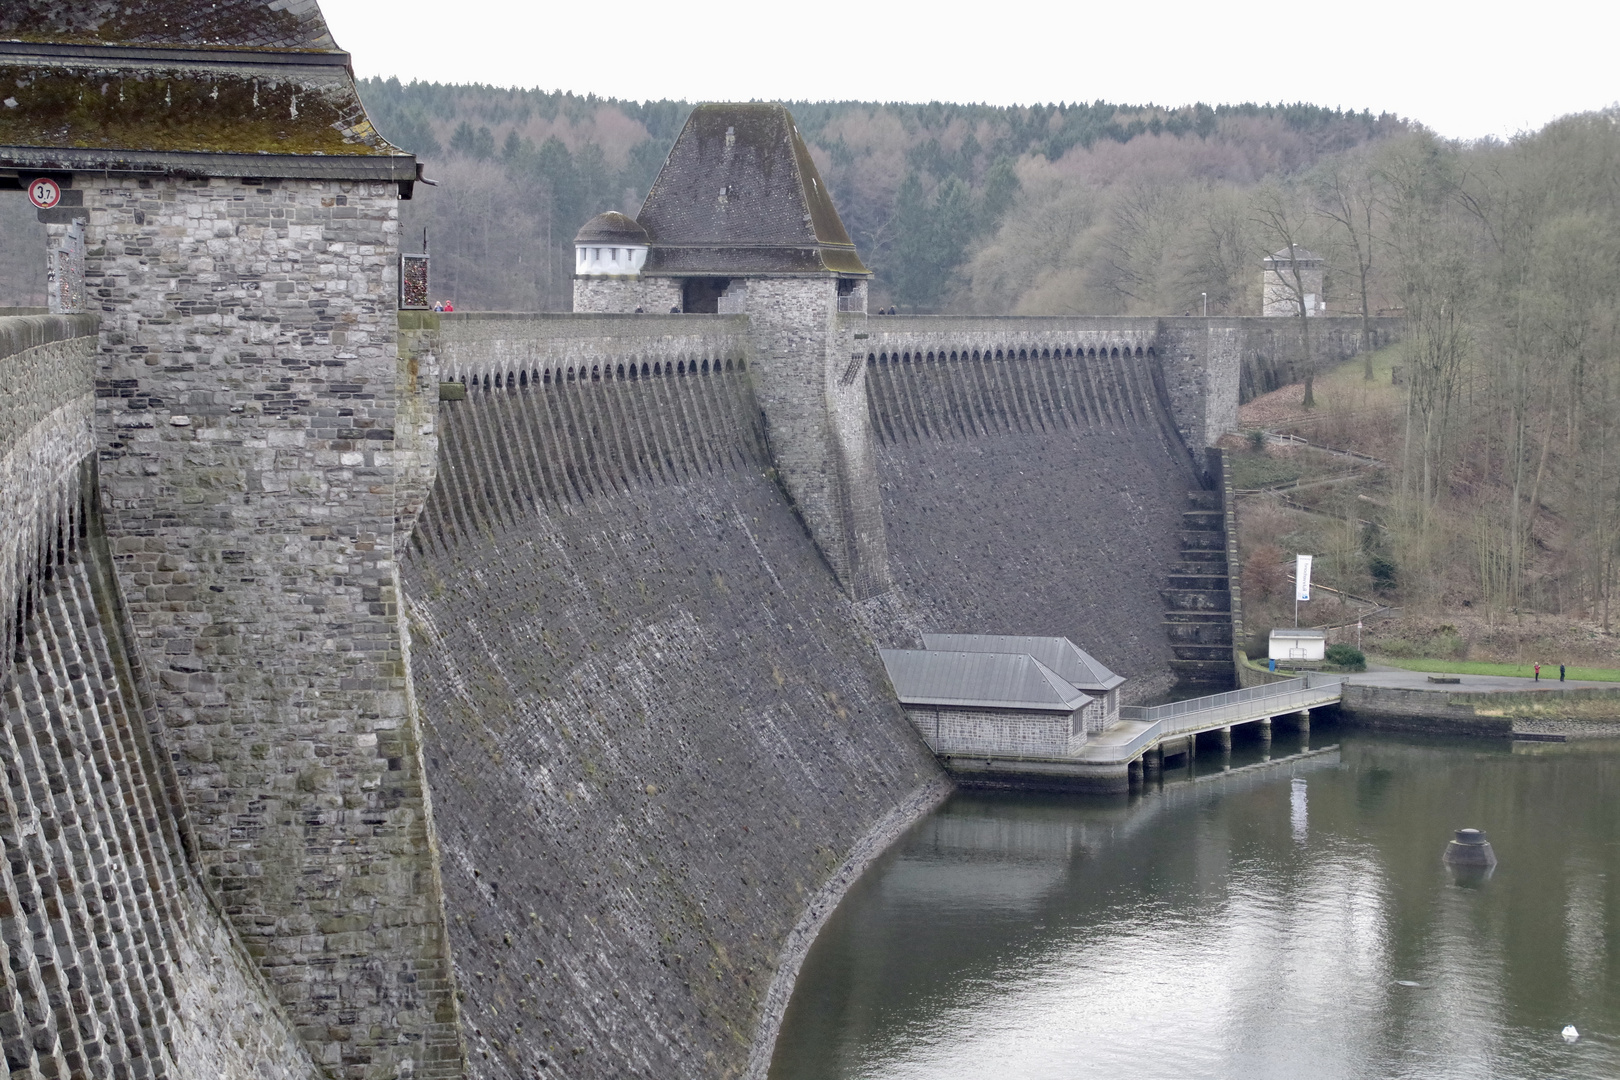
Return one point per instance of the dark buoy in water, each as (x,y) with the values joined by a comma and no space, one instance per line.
(1469,848)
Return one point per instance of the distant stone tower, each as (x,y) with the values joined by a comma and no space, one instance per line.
(740,222)
(1280,289)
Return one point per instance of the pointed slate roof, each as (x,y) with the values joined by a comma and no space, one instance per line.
(190,87)
(229,24)
(1060,654)
(739,194)
(979,680)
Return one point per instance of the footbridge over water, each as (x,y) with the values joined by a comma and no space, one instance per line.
(1147,735)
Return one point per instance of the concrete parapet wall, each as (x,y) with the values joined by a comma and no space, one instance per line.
(476,345)
(1272,350)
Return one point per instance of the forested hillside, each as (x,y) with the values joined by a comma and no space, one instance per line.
(954,206)
(1501,429)
(1504,439)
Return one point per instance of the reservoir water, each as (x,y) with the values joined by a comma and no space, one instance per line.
(1288,921)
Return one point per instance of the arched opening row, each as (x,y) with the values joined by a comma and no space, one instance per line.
(1068,352)
(649,369)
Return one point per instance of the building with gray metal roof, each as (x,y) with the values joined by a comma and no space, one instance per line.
(1061,655)
(979,680)
(991,705)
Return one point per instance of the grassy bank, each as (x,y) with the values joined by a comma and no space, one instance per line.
(1481,667)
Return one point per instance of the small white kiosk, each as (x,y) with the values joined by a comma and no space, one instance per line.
(1298,645)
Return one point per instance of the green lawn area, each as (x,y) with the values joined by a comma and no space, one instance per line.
(1250,471)
(1480,667)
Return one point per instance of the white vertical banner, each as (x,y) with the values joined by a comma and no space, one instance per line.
(1302,577)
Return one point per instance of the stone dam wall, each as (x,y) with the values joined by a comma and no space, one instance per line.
(114,959)
(1208,366)
(659,740)
(263,587)
(1034,489)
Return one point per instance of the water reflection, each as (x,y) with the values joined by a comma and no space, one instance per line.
(1283,923)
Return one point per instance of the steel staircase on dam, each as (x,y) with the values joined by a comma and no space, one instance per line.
(1197,596)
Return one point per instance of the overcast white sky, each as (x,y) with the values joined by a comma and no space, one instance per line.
(1464,69)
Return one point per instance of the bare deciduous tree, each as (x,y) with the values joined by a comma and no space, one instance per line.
(1283,220)
(1347,195)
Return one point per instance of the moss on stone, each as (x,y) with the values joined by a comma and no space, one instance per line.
(179,110)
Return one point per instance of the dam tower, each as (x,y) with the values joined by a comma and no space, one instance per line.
(227,220)
(739,221)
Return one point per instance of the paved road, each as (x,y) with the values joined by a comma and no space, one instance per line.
(1397,678)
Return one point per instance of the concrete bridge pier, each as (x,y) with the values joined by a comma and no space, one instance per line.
(1302,720)
(1133,773)
(1153,764)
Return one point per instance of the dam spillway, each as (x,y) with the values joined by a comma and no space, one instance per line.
(653,726)
(1023,489)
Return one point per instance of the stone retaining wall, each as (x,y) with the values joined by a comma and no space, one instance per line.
(1569,713)
(118,962)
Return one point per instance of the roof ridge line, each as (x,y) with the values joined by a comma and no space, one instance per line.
(213,54)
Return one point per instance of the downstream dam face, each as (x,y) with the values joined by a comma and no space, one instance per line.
(655,726)
(1032,477)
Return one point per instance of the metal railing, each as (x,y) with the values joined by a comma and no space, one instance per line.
(1236,706)
(1141,741)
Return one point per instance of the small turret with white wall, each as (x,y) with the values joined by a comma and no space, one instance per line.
(609,254)
(1288,274)
(610,245)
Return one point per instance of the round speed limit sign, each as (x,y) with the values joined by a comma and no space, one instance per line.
(44,193)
